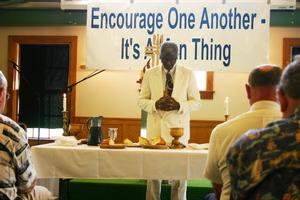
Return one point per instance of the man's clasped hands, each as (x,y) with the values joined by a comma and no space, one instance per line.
(167,103)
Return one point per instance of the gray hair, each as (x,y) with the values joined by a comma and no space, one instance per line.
(290,79)
(3,81)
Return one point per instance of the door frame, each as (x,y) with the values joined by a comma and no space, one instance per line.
(288,43)
(14,42)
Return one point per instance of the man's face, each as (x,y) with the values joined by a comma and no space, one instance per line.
(168,63)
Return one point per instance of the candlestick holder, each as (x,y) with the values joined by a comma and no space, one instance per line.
(65,123)
(226,117)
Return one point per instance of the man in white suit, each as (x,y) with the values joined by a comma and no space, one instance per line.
(168,94)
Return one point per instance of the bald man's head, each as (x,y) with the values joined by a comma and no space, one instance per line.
(264,75)
(262,83)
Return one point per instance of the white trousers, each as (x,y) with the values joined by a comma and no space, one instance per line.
(178,189)
(38,193)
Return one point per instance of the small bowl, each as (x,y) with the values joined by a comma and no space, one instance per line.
(75,129)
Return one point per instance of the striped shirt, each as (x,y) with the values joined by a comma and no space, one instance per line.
(16,166)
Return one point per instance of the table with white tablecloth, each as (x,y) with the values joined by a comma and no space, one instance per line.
(82,161)
(53,162)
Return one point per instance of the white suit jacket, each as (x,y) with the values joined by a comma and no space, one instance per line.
(185,91)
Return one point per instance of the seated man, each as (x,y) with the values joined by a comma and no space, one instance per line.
(265,163)
(17,174)
(261,93)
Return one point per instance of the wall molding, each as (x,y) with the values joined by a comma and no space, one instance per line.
(130,128)
(58,17)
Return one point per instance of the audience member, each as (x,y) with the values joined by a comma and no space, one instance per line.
(17,174)
(265,163)
(261,92)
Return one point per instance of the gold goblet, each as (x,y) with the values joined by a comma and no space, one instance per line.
(176,133)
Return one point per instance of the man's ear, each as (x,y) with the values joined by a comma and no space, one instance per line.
(1,95)
(1,92)
(282,100)
(248,90)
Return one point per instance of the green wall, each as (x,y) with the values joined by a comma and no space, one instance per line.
(57,17)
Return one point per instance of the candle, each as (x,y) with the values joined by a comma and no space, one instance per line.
(226,106)
(64,102)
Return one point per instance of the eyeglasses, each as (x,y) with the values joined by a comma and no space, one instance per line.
(7,96)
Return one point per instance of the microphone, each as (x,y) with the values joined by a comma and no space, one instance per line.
(12,62)
(68,91)
(69,87)
(33,89)
(15,65)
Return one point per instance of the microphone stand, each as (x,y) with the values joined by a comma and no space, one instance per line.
(68,90)
(18,69)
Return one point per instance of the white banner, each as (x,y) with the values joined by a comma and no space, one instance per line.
(231,37)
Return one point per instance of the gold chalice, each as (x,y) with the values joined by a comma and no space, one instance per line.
(176,133)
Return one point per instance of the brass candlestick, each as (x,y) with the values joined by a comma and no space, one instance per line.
(226,117)
(65,123)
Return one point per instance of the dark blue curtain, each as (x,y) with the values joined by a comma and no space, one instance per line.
(44,75)
(295,51)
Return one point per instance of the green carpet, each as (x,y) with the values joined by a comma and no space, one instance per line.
(107,189)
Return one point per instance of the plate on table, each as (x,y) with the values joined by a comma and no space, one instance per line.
(112,146)
(198,146)
(133,145)
(155,147)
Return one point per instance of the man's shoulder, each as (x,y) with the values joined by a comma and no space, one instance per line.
(184,68)
(154,69)
(231,129)
(6,121)
(11,131)
(254,136)
(237,122)
(259,150)
(247,117)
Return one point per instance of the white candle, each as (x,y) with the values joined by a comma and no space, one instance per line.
(64,102)
(226,106)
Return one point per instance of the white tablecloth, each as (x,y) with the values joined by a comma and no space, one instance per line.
(82,161)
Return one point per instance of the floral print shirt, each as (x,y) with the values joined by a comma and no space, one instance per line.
(264,164)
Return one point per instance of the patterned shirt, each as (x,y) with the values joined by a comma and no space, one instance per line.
(265,163)
(16,167)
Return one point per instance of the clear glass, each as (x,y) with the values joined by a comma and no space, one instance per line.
(113,133)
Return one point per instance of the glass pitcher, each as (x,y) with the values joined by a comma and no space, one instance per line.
(95,132)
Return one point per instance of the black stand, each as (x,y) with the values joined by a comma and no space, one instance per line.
(68,90)
(36,93)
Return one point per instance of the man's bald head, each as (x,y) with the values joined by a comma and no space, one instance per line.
(262,83)
(264,75)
